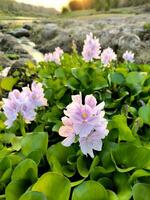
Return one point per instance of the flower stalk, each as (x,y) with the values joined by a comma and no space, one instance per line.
(22,125)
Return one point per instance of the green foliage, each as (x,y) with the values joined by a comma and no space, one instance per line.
(33,196)
(147,26)
(7,83)
(141,191)
(107,4)
(13,8)
(90,190)
(121,171)
(54,186)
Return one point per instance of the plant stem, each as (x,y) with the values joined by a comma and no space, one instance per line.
(22,126)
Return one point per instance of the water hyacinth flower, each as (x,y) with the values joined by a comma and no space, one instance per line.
(107,56)
(91,48)
(23,103)
(85,122)
(128,56)
(54,56)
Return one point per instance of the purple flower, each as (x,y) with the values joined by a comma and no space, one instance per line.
(85,121)
(67,131)
(11,111)
(128,56)
(107,56)
(37,95)
(54,56)
(23,103)
(91,142)
(48,57)
(28,112)
(91,48)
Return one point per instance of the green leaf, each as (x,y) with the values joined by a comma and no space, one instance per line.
(7,83)
(98,82)
(57,156)
(129,155)
(59,73)
(54,186)
(121,169)
(15,189)
(141,191)
(83,166)
(99,171)
(117,78)
(69,170)
(144,113)
(33,196)
(135,80)
(112,195)
(5,169)
(34,141)
(73,83)
(35,156)
(90,190)
(27,169)
(139,173)
(124,191)
(119,122)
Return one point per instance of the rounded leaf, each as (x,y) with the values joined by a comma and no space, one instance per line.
(54,186)
(15,189)
(90,190)
(144,113)
(27,169)
(34,141)
(33,196)
(141,191)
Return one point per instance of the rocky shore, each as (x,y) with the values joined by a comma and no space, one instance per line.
(121,32)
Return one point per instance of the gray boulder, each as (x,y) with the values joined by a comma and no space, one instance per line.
(21,32)
(129,41)
(27,26)
(10,44)
(49,31)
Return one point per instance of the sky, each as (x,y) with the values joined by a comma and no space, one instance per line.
(57,4)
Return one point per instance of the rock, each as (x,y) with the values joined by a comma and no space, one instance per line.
(21,32)
(3,26)
(65,44)
(143,56)
(49,31)
(7,42)
(27,26)
(10,44)
(129,41)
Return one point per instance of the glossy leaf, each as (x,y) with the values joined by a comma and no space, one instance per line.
(141,191)
(7,83)
(90,190)
(34,141)
(57,156)
(27,169)
(15,189)
(144,113)
(53,186)
(117,78)
(119,122)
(33,196)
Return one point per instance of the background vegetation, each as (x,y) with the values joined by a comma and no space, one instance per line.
(10,7)
(104,4)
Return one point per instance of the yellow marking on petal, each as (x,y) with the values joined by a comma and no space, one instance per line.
(84,115)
